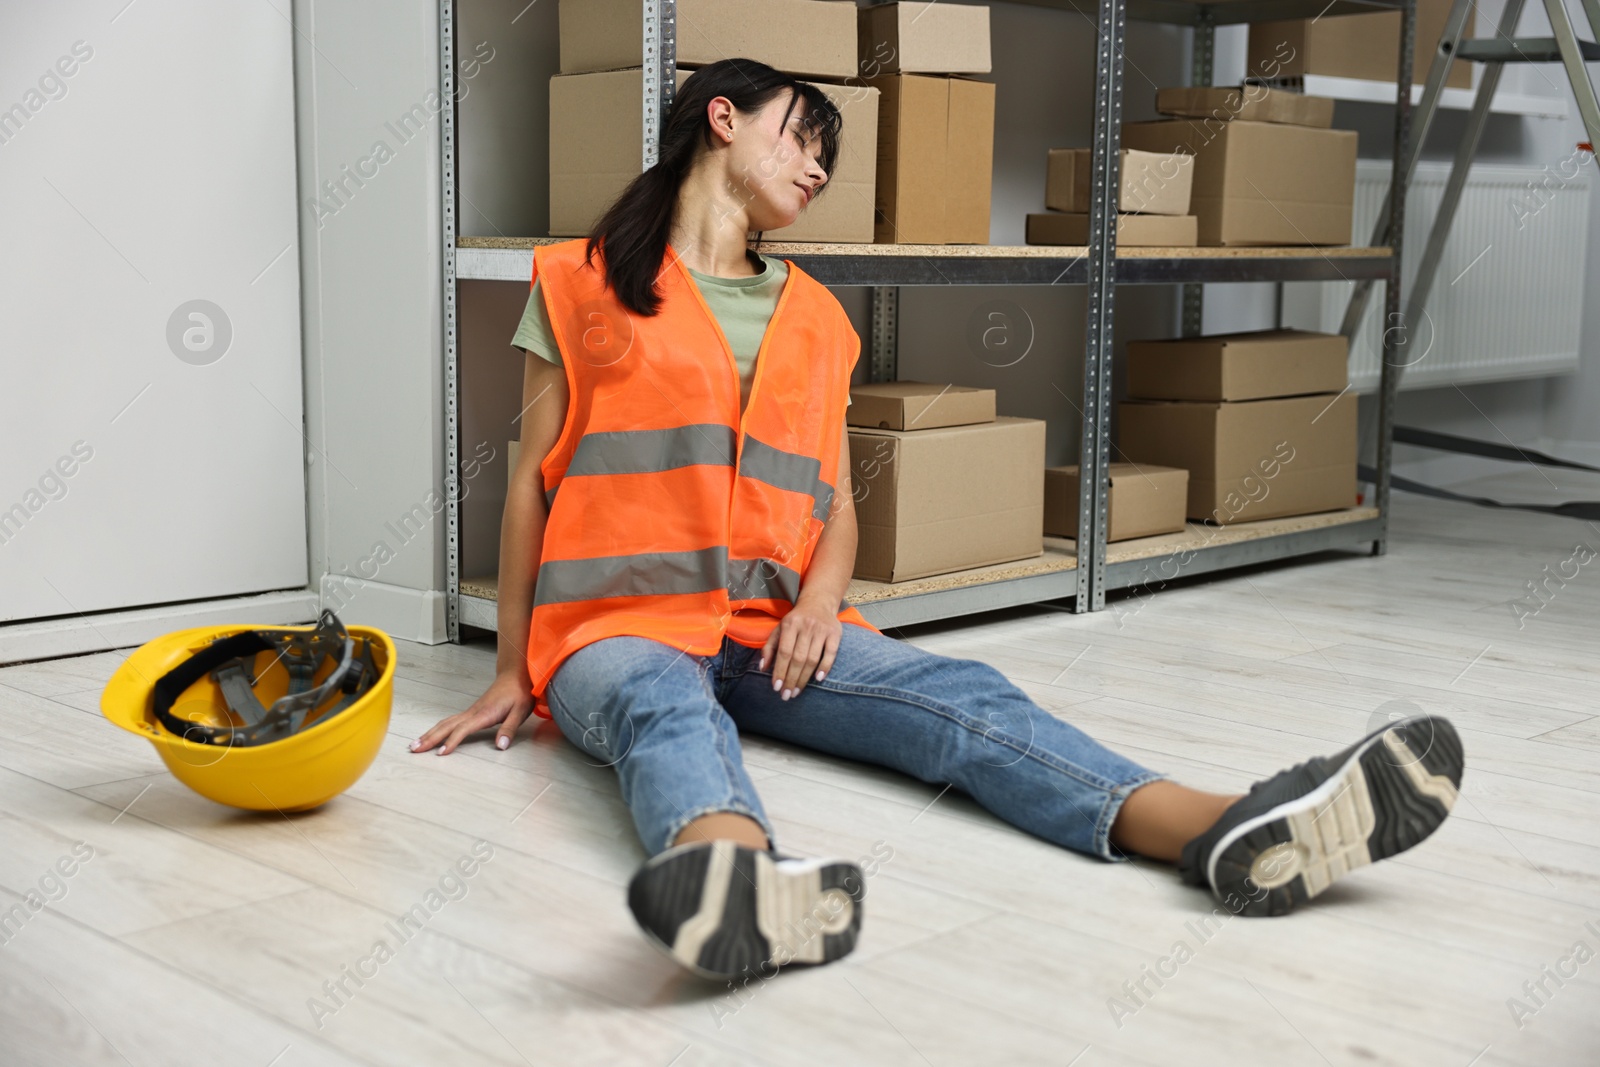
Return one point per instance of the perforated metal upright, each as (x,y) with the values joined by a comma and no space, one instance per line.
(452,376)
(1094,455)
(1202,51)
(1389,374)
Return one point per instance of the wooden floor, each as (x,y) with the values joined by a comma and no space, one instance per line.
(196,935)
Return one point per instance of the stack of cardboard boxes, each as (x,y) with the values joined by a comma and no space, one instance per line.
(1268,170)
(917,148)
(1233,166)
(935,122)
(1153,205)
(940,482)
(1262,421)
(597,121)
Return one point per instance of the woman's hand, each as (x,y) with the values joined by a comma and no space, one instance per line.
(506,703)
(802,646)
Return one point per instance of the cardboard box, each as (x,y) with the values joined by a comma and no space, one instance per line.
(1261,183)
(1238,366)
(935,159)
(934,501)
(596,128)
(809,38)
(917,405)
(919,38)
(1064,228)
(1154,183)
(1355,46)
(1252,459)
(1143,500)
(1253,103)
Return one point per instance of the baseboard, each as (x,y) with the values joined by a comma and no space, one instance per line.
(97,632)
(406,614)
(403,613)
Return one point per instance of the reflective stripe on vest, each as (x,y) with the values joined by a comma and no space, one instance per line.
(641,451)
(689,519)
(651,573)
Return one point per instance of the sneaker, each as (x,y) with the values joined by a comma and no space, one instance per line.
(1293,834)
(725,911)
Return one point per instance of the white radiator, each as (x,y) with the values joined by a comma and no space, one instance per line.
(1507,301)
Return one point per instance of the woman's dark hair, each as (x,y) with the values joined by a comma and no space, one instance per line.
(636,226)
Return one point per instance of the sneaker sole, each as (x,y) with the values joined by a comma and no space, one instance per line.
(1388,796)
(733,912)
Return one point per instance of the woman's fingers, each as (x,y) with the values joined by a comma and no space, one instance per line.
(508,729)
(435,733)
(506,704)
(829,653)
(807,649)
(452,729)
(796,649)
(809,643)
(784,653)
(468,724)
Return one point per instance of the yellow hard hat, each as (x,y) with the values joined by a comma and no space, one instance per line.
(285,734)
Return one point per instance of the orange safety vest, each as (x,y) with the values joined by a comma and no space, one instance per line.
(670,516)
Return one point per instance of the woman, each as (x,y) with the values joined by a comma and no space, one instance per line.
(691,510)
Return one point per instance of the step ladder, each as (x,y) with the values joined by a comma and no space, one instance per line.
(1493,53)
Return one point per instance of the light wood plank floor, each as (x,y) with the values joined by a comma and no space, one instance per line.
(194,934)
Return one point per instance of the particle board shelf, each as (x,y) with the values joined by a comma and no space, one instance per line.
(1198,537)
(1047,576)
(1050,575)
(485,587)
(1199,548)
(511,259)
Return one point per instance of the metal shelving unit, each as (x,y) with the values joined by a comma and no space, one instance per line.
(1082,572)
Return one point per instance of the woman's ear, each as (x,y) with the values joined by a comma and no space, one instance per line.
(720,113)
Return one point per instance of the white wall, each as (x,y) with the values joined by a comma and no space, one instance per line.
(150,341)
(372,266)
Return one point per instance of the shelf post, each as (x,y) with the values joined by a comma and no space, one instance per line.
(1202,49)
(884,362)
(1395,328)
(659,48)
(1095,452)
(452,367)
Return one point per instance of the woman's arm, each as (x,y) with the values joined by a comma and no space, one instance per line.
(835,557)
(805,641)
(509,698)
(544,411)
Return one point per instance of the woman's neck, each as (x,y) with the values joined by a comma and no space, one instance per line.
(710,232)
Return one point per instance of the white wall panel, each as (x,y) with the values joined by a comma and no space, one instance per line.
(369,112)
(159,172)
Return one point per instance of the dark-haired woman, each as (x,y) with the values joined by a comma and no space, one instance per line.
(674,557)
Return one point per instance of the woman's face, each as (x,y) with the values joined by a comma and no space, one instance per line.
(772,163)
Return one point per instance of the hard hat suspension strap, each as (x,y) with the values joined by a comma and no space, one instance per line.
(230,661)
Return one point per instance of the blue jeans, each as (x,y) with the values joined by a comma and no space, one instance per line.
(669,722)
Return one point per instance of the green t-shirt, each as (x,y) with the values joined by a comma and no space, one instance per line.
(742,306)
